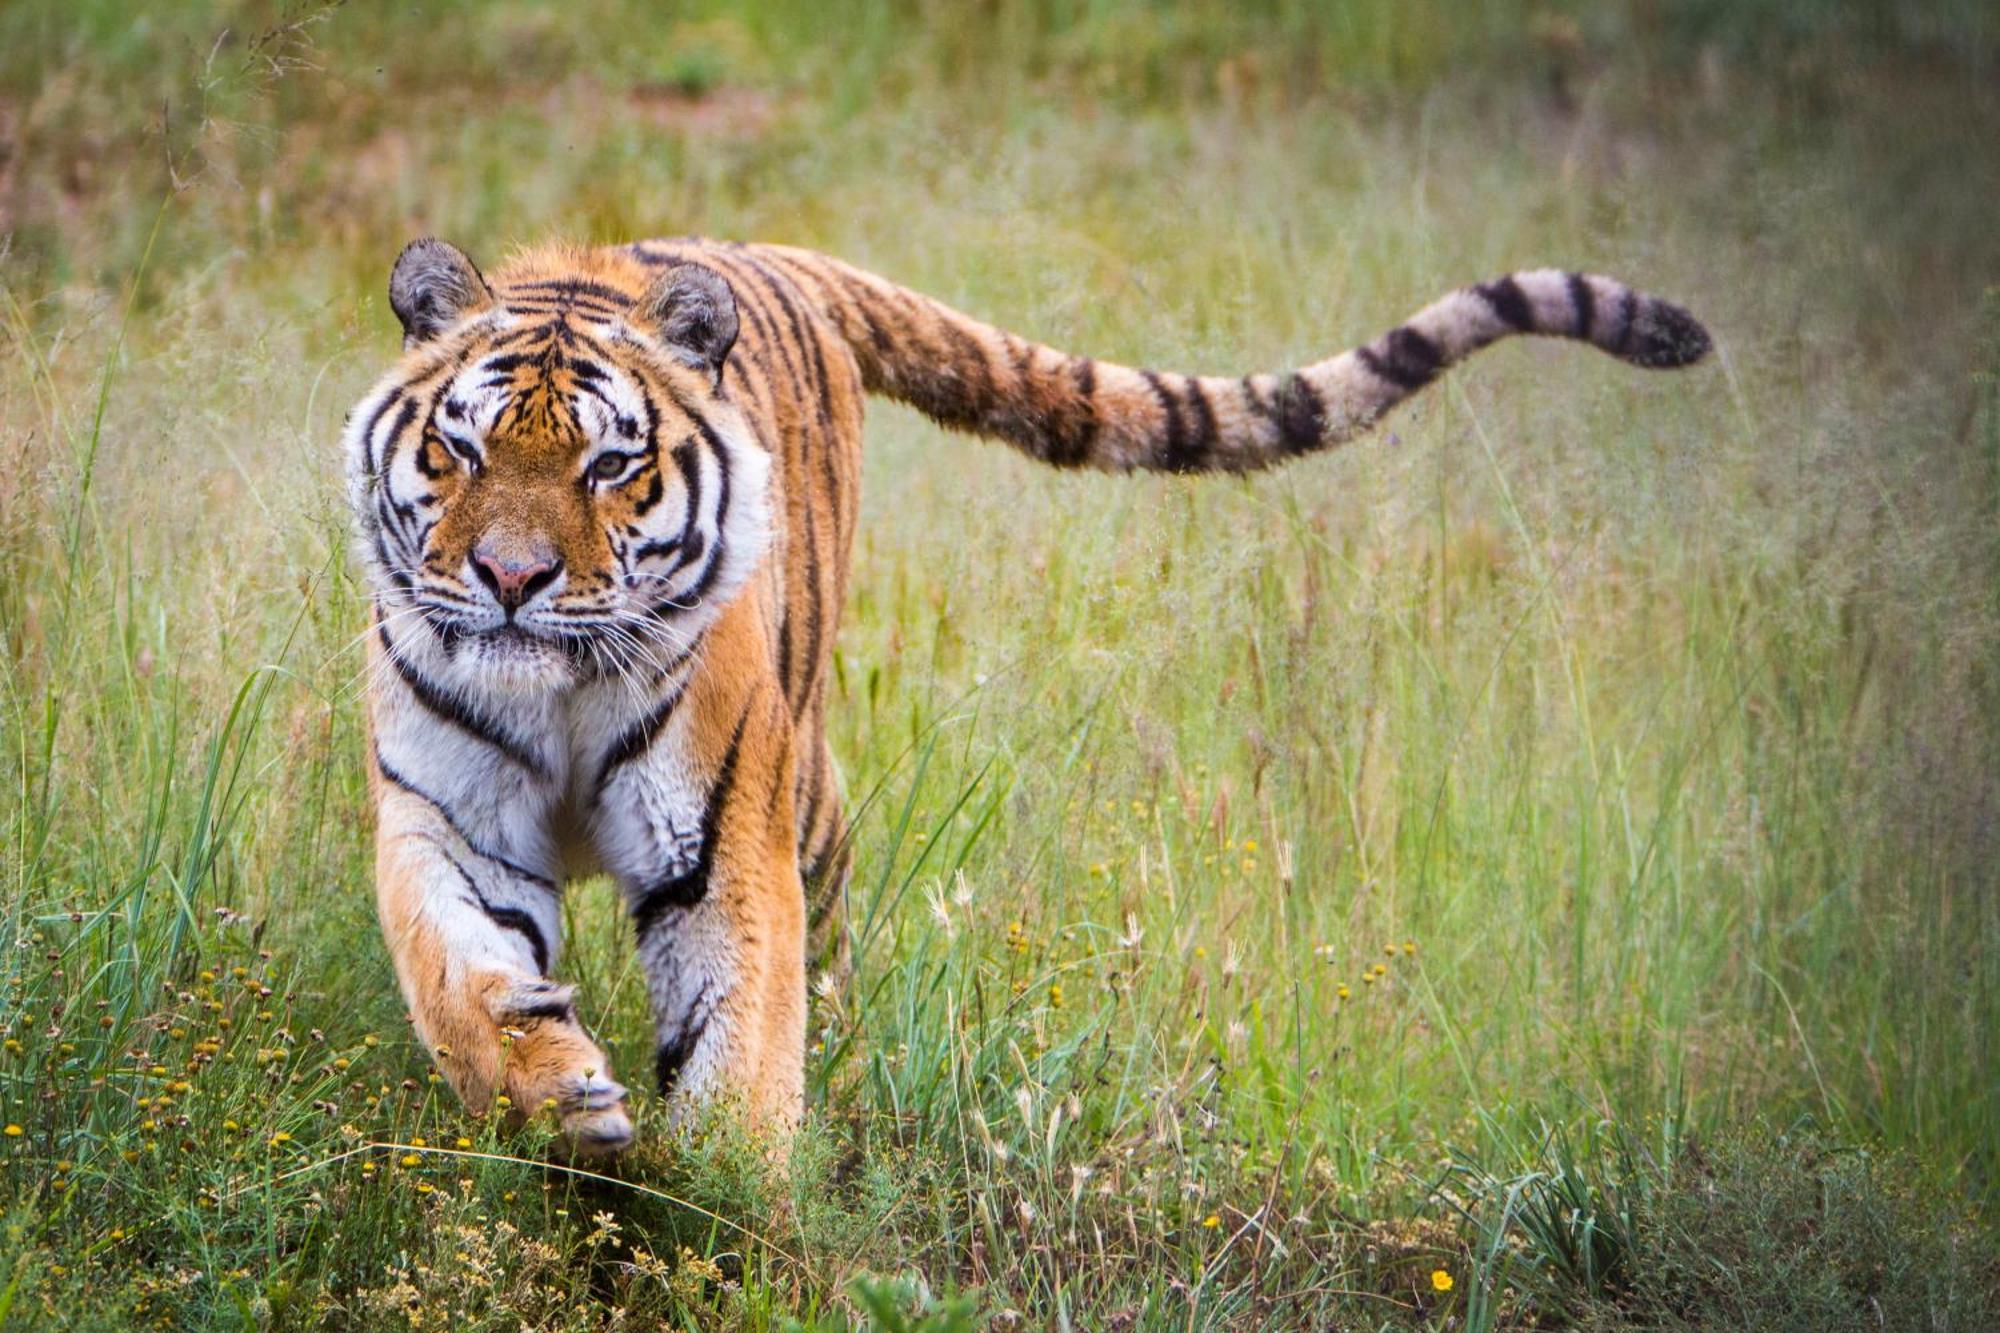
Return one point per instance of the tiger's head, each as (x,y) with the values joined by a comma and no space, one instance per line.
(552,482)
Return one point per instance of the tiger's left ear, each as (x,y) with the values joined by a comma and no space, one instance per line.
(432,287)
(692,310)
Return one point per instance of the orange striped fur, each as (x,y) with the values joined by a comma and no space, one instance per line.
(606,503)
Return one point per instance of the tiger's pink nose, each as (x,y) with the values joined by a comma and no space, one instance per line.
(514,578)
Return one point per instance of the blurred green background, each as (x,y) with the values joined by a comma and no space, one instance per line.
(1535,868)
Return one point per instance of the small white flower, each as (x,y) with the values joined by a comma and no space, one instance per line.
(939,912)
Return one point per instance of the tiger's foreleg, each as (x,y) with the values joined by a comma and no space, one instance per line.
(473,941)
(722,934)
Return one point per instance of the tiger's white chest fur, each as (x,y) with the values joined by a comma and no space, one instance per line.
(602,776)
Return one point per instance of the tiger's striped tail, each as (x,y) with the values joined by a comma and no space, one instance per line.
(1073,411)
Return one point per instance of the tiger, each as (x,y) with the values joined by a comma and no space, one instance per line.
(605,503)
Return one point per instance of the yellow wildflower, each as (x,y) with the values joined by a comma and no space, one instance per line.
(1211,1222)
(14,1131)
(1440,1280)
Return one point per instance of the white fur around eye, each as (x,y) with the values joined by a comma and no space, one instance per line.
(613,412)
(467,410)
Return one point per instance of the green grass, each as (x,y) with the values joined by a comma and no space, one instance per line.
(1642,729)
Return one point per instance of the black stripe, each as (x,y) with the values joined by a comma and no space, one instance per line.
(513,918)
(450,706)
(1301,415)
(814,610)
(507,918)
(785,649)
(1072,447)
(1203,445)
(1174,458)
(1405,359)
(395,779)
(1583,302)
(1507,301)
(690,886)
(656,489)
(677,1050)
(561,1010)
(385,508)
(690,470)
(815,388)
(571,287)
(389,400)
(637,739)
(1628,314)
(714,569)
(981,401)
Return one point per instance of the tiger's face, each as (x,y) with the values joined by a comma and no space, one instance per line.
(552,483)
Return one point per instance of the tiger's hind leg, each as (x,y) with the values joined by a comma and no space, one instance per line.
(472,942)
(826,861)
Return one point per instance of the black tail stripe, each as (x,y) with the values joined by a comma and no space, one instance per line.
(1174,459)
(1414,360)
(1301,415)
(1070,446)
(1384,365)
(1584,303)
(1505,297)
(1628,315)
(1202,446)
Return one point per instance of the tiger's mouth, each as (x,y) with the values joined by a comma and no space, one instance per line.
(511,639)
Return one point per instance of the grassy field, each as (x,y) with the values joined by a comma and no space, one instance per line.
(1534,868)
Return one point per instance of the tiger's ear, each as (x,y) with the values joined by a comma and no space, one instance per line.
(691,309)
(432,287)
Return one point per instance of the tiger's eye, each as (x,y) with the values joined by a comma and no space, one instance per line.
(608,466)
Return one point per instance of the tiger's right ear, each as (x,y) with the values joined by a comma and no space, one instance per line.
(432,287)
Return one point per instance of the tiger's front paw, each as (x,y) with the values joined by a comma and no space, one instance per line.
(595,1122)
